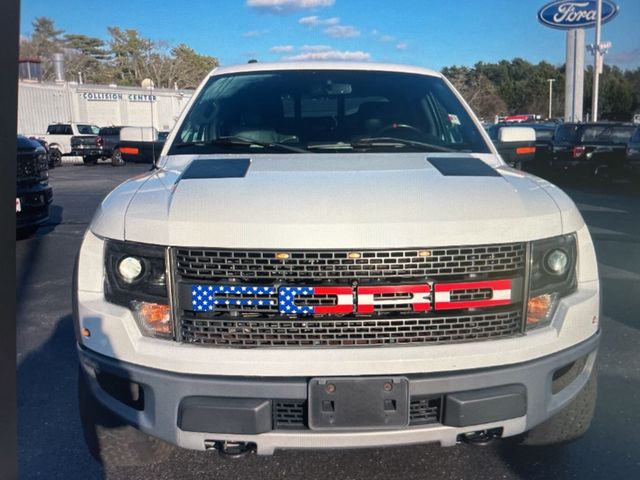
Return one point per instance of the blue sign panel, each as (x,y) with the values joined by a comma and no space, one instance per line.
(567,14)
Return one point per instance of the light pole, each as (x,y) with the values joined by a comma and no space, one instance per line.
(598,49)
(550,80)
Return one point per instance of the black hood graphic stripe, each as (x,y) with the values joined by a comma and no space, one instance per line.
(217,168)
(462,167)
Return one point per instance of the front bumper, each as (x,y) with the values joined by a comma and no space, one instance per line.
(168,399)
(34,201)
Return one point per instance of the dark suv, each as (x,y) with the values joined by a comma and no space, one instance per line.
(33,193)
(591,148)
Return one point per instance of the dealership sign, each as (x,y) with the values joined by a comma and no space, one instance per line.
(565,14)
(114,97)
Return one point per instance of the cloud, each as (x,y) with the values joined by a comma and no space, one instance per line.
(402,46)
(314,21)
(284,7)
(281,49)
(255,33)
(630,57)
(315,48)
(386,38)
(357,56)
(342,31)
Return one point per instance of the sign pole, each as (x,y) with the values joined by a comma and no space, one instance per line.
(596,64)
(550,80)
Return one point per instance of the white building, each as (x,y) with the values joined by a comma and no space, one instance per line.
(40,104)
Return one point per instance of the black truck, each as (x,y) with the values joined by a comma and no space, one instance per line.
(33,192)
(591,149)
(120,144)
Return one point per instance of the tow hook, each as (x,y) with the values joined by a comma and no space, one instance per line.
(481,437)
(230,448)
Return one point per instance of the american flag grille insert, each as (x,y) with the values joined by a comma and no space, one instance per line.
(212,329)
(321,266)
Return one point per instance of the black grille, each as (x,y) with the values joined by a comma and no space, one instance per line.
(292,414)
(289,414)
(341,266)
(423,411)
(212,329)
(30,167)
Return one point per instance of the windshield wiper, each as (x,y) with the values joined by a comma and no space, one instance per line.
(386,142)
(240,141)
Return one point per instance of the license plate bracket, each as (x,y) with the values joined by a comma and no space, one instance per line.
(372,403)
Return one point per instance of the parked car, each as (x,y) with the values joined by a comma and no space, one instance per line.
(633,152)
(33,192)
(140,144)
(89,147)
(59,135)
(333,255)
(591,149)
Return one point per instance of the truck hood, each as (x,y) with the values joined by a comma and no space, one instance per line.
(332,200)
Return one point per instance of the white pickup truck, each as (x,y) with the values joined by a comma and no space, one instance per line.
(333,255)
(59,135)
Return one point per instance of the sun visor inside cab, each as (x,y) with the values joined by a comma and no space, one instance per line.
(462,167)
(217,168)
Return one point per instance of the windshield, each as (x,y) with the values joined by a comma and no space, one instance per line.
(88,129)
(326,111)
(607,134)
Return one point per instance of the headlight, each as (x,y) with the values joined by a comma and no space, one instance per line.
(136,278)
(552,276)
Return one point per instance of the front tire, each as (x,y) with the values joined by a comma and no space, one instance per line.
(570,423)
(111,441)
(55,158)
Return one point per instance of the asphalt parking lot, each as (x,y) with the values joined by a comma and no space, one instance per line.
(50,440)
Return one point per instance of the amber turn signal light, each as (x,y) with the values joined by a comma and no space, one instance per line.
(156,317)
(539,308)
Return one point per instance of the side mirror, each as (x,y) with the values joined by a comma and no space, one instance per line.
(516,145)
(516,134)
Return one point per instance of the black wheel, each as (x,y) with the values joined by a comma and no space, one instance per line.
(90,160)
(570,423)
(112,442)
(116,158)
(55,158)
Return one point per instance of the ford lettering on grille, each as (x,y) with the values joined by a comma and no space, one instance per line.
(359,299)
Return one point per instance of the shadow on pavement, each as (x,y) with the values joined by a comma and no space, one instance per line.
(47,404)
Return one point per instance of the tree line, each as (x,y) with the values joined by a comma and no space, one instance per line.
(507,87)
(520,87)
(126,58)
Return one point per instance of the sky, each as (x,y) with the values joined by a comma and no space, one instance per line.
(427,33)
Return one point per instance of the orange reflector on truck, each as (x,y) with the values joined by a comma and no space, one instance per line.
(525,150)
(129,150)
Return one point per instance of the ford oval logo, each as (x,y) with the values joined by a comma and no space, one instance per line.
(566,14)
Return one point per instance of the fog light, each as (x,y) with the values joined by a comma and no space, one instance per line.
(130,269)
(155,318)
(540,309)
(557,262)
